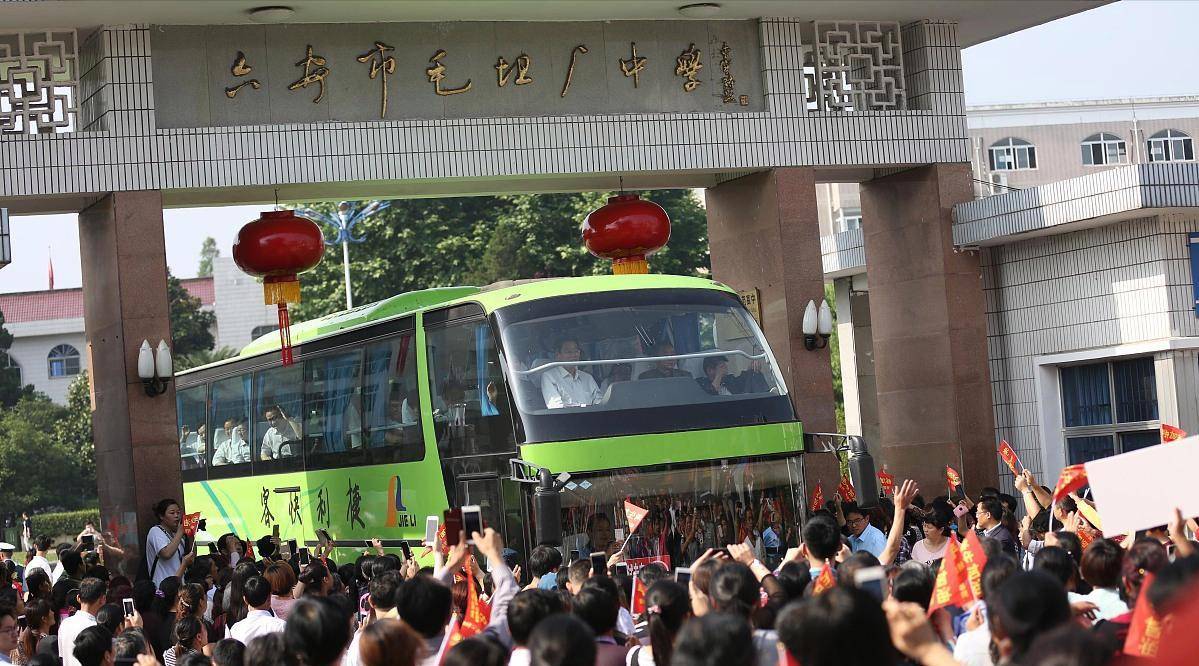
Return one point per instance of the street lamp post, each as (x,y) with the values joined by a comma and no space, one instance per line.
(342,224)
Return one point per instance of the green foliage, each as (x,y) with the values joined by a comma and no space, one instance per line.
(36,470)
(73,432)
(422,243)
(203,357)
(191,327)
(834,348)
(208,252)
(64,522)
(11,390)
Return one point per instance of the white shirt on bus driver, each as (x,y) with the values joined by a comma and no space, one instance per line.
(232,450)
(561,389)
(273,445)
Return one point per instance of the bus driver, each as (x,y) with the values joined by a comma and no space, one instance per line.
(567,385)
(276,442)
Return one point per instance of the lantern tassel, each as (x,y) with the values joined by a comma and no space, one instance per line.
(285,335)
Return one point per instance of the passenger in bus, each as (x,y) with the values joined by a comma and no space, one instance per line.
(664,368)
(750,380)
(567,385)
(601,538)
(716,371)
(233,447)
(621,372)
(276,442)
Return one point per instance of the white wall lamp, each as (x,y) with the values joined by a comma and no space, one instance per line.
(155,370)
(817,325)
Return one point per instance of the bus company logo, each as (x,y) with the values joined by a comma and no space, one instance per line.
(398,514)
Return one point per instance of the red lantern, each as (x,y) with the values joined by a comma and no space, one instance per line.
(626,230)
(277,247)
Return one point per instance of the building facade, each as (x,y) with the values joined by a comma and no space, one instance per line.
(49,346)
(1083,233)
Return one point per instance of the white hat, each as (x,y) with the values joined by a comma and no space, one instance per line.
(4,545)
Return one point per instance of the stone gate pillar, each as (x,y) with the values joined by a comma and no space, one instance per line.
(764,233)
(929,329)
(123,256)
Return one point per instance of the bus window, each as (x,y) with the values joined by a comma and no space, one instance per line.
(278,397)
(469,395)
(332,403)
(391,401)
(230,414)
(193,432)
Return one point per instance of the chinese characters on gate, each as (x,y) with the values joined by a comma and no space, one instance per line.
(316,68)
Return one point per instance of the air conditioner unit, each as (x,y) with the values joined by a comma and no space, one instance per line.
(998,182)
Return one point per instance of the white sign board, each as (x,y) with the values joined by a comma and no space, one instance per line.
(1141,489)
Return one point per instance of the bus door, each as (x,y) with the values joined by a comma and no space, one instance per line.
(471,413)
(502,506)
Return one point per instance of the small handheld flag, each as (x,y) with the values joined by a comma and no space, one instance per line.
(634,515)
(825,581)
(1008,455)
(1072,478)
(1172,433)
(817,501)
(952,587)
(846,491)
(886,482)
(955,481)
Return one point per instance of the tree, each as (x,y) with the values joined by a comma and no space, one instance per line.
(208,252)
(834,350)
(73,432)
(36,471)
(203,357)
(11,390)
(191,327)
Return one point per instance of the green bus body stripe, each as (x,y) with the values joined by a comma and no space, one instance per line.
(217,503)
(648,450)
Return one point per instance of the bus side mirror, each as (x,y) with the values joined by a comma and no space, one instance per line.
(862,473)
(547,509)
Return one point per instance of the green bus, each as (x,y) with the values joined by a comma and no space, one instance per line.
(656,389)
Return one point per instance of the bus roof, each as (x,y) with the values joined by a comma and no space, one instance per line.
(491,298)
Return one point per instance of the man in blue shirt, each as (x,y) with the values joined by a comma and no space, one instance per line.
(863,535)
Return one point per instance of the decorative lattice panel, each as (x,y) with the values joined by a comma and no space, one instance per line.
(39,81)
(855,66)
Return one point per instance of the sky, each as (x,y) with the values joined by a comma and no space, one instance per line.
(1127,49)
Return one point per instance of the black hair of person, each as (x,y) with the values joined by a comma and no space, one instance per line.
(183,636)
(479,650)
(1102,564)
(91,645)
(317,631)
(716,639)
(425,605)
(1056,562)
(543,560)
(384,589)
(598,608)
(1171,580)
(160,509)
(229,652)
(562,640)
(256,591)
(1026,605)
(128,645)
(794,577)
(527,609)
(816,630)
(822,537)
(110,616)
(734,589)
(92,590)
(668,605)
(1068,645)
(269,650)
(997,570)
(913,585)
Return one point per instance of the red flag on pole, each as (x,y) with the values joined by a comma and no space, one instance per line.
(886,482)
(1171,433)
(1145,629)
(1008,455)
(191,522)
(1072,478)
(825,581)
(976,560)
(952,587)
(637,603)
(952,477)
(846,491)
(817,501)
(634,514)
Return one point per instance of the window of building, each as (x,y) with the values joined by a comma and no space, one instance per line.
(1103,148)
(260,331)
(1012,154)
(63,361)
(8,365)
(849,219)
(1171,146)
(1109,408)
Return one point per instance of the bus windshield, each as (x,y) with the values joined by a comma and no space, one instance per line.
(644,361)
(690,509)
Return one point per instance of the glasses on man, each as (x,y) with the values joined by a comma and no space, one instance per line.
(854,522)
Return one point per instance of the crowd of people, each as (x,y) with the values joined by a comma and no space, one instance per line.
(856,588)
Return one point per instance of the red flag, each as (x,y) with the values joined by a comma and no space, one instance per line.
(1008,454)
(1145,629)
(952,477)
(1072,478)
(249,550)
(1180,641)
(1171,433)
(190,522)
(975,559)
(825,581)
(886,482)
(478,612)
(637,603)
(952,587)
(634,515)
(817,502)
(846,491)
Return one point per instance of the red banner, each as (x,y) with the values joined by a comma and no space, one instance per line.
(817,501)
(190,523)
(1072,478)
(637,603)
(976,560)
(1008,455)
(952,587)
(825,581)
(846,491)
(952,477)
(1171,433)
(886,482)
(636,563)
(1145,629)
(478,612)
(634,515)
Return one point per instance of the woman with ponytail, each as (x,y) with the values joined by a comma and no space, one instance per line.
(189,636)
(667,606)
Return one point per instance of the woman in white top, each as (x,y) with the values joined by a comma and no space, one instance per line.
(667,607)
(1103,567)
(936,535)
